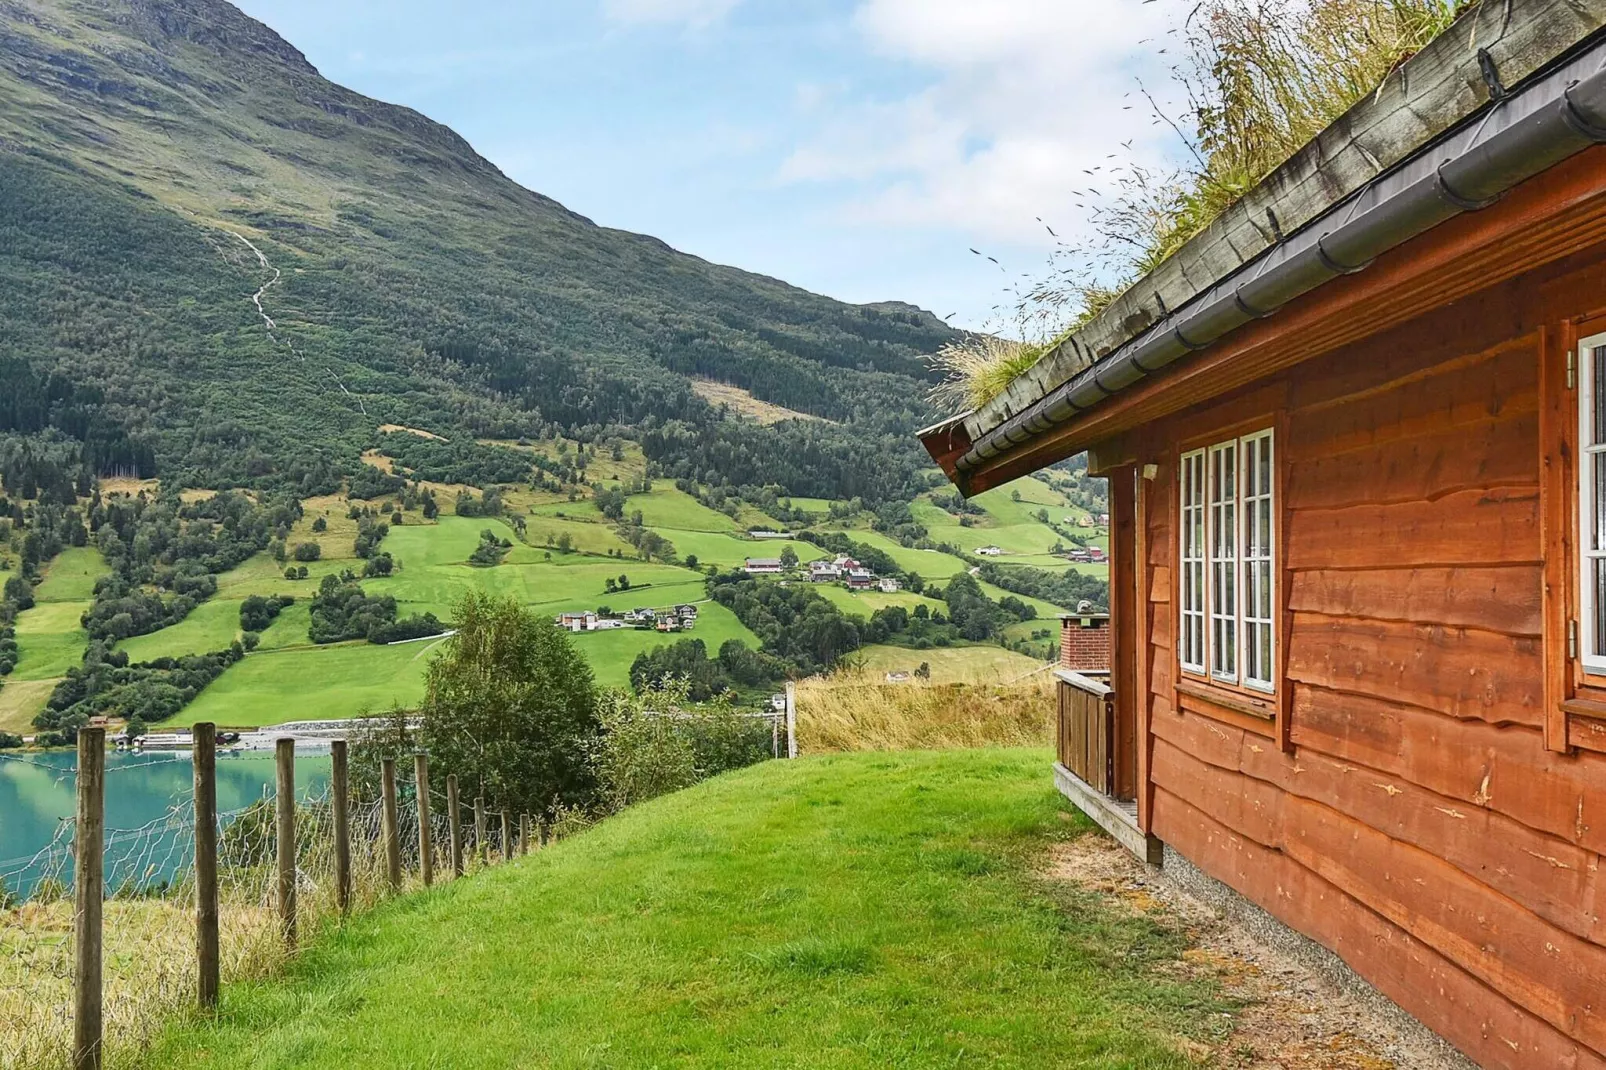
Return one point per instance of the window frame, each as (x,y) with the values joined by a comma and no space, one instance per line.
(1249,624)
(1192,619)
(1583,557)
(1232,676)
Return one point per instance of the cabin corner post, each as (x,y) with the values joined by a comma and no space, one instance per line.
(1557,417)
(1125,610)
(1143,578)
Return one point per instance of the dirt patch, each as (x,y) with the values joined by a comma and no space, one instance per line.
(404,429)
(1295,1019)
(740,401)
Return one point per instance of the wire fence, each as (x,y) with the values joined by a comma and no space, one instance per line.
(148,937)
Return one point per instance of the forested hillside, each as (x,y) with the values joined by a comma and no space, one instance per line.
(162,161)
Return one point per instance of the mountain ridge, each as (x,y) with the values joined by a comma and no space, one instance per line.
(413,272)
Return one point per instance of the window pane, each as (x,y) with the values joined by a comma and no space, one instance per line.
(1599,644)
(1598,514)
(1597,362)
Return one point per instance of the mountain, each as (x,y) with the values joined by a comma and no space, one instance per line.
(162,161)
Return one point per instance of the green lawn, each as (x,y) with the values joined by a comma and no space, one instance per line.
(49,636)
(667,507)
(864,603)
(210,626)
(930,564)
(308,683)
(288,680)
(610,653)
(728,551)
(71,576)
(855,911)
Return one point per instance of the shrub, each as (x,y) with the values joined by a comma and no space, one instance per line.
(510,707)
(308,551)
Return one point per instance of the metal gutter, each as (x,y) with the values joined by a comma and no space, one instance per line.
(1555,116)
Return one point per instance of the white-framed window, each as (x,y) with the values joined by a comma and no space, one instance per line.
(1592,501)
(1227,543)
(1259,585)
(1222,491)
(1191,626)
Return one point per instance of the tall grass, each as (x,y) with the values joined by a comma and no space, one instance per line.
(856,711)
(149,928)
(977,368)
(1261,79)
(1264,77)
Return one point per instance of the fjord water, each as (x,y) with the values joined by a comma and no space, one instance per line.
(37,796)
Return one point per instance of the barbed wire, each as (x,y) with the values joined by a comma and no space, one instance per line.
(149,928)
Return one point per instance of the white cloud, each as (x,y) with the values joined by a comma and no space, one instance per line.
(1020,98)
(688,12)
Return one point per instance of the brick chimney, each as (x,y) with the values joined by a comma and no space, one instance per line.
(1085,642)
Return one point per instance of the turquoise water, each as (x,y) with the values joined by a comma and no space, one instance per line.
(148,802)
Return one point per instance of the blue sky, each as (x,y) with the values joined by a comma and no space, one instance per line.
(859,148)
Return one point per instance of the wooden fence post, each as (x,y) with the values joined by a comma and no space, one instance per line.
(285,805)
(507,834)
(340,802)
(791,719)
(204,740)
(89,893)
(480,846)
(426,834)
(388,823)
(454,825)
(524,835)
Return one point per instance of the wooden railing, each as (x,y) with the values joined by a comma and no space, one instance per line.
(1086,731)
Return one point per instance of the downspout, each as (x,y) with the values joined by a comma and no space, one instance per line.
(1557,116)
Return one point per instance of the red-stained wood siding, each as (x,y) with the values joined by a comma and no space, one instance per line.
(1415,822)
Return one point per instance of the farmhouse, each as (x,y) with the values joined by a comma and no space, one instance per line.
(889,585)
(860,579)
(763,566)
(824,572)
(1355,438)
(577,622)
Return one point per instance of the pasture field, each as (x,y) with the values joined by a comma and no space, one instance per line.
(848,911)
(930,564)
(50,637)
(864,603)
(308,683)
(287,678)
(668,507)
(729,551)
(211,626)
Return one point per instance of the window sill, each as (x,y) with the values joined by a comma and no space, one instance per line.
(1230,707)
(1586,724)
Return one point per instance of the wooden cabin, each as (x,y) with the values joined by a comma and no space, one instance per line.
(1355,438)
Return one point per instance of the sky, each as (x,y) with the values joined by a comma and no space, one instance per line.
(858,148)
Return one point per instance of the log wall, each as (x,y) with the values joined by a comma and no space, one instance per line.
(1402,807)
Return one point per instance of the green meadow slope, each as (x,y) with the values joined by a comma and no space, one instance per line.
(853,911)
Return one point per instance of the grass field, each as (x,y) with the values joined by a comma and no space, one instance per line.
(930,564)
(49,636)
(309,683)
(286,679)
(667,507)
(951,664)
(728,551)
(864,603)
(850,911)
(50,639)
